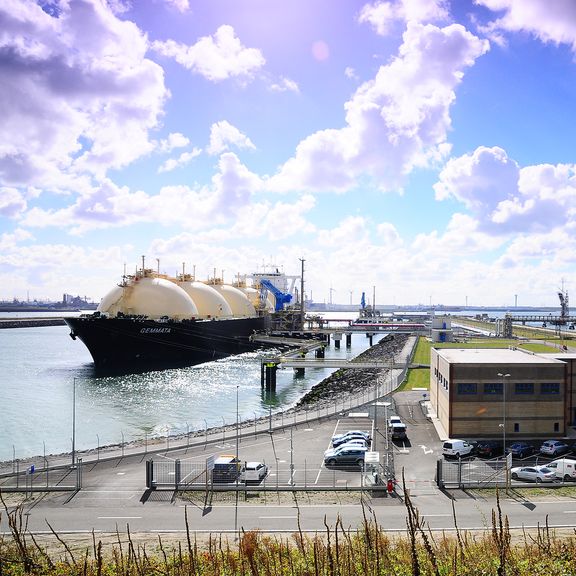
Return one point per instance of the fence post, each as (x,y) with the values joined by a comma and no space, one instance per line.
(79,474)
(177,474)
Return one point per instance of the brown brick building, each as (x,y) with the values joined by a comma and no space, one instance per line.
(475,391)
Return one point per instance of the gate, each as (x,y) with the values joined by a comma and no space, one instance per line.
(176,474)
(473,473)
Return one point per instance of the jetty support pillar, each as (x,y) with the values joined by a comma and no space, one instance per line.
(268,376)
(337,339)
(320,352)
(348,339)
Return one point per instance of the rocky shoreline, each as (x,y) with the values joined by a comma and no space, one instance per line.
(345,381)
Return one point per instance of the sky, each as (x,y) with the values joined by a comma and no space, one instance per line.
(420,150)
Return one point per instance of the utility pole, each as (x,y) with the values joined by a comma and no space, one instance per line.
(302,294)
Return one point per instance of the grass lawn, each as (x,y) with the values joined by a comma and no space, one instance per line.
(420,377)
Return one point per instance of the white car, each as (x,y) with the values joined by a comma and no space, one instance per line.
(339,439)
(254,472)
(533,474)
(355,443)
(457,448)
(554,447)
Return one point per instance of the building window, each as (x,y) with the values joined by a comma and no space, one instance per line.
(493,388)
(467,388)
(516,427)
(556,427)
(524,388)
(550,388)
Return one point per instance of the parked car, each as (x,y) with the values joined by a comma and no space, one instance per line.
(349,455)
(394,420)
(565,468)
(339,439)
(533,473)
(520,449)
(360,442)
(457,448)
(554,448)
(398,430)
(254,472)
(226,468)
(489,449)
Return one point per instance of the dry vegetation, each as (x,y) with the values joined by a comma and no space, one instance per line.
(337,551)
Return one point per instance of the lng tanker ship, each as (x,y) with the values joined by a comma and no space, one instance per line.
(152,319)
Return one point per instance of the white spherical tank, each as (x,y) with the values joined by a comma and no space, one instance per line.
(152,297)
(252,294)
(237,300)
(210,302)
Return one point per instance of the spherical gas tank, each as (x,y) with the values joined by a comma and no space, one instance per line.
(152,297)
(237,300)
(252,294)
(210,303)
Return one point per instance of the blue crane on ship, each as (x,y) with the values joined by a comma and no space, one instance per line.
(280,297)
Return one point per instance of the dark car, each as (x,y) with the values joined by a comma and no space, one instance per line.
(489,449)
(348,455)
(520,449)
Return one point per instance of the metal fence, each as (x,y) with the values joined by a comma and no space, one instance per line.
(42,479)
(474,473)
(187,475)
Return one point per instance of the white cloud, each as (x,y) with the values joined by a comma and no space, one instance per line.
(108,205)
(395,122)
(549,21)
(182,160)
(216,58)
(174,140)
(75,88)
(180,5)
(223,134)
(284,85)
(506,198)
(12,202)
(381,15)
(349,72)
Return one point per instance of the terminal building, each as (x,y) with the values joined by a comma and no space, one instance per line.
(484,393)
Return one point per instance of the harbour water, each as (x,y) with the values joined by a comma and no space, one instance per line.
(43,370)
(46,375)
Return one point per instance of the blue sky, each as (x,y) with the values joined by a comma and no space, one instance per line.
(422,148)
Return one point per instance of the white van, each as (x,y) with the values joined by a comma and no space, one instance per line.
(565,468)
(457,448)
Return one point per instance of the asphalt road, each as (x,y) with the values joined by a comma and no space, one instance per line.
(114,495)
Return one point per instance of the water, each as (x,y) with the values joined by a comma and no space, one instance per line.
(43,368)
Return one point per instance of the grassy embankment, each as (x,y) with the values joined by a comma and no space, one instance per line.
(420,377)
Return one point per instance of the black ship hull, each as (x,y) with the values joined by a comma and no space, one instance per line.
(139,342)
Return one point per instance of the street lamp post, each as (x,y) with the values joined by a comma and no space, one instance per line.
(503,376)
(74,424)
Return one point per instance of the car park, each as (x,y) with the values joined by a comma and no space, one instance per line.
(348,456)
(554,448)
(457,448)
(339,439)
(520,449)
(489,449)
(253,472)
(533,474)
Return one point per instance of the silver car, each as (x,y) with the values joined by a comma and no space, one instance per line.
(533,474)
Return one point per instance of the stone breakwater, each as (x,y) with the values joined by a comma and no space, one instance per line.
(352,381)
(30,322)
